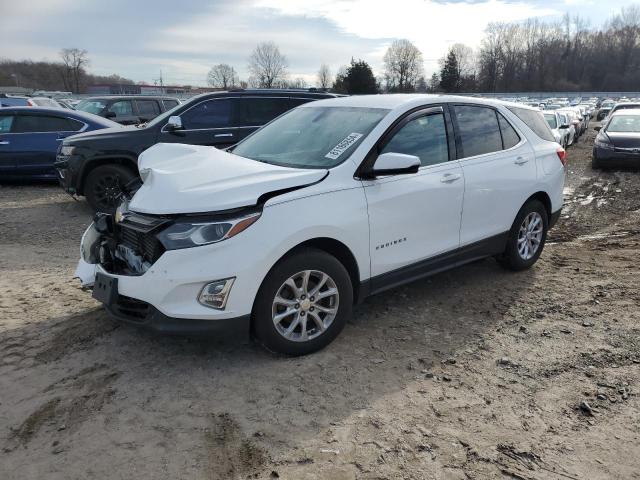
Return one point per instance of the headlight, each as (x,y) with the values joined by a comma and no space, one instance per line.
(602,143)
(192,234)
(67,149)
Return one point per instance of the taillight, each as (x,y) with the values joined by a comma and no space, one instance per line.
(30,103)
(562,155)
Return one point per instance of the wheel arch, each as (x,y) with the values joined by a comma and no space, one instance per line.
(333,247)
(543,198)
(123,160)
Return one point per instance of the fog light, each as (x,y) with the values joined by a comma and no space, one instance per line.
(215,294)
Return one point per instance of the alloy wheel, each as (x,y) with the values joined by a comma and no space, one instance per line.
(530,235)
(305,305)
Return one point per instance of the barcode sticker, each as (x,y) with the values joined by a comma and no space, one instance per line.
(344,145)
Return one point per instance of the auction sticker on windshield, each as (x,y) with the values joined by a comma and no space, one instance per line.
(344,145)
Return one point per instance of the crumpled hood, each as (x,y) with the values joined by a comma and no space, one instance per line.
(179,178)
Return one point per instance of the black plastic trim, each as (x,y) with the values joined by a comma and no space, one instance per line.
(460,256)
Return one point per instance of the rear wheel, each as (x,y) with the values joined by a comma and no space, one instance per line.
(527,237)
(104,186)
(303,303)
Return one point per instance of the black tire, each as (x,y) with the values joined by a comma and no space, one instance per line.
(595,163)
(263,325)
(104,184)
(511,257)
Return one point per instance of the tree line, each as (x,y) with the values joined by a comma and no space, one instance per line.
(566,55)
(69,74)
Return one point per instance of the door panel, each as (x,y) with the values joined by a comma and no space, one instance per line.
(414,217)
(496,182)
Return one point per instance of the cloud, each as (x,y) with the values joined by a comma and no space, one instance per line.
(184,39)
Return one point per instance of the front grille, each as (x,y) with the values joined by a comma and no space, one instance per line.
(138,232)
(144,244)
(131,309)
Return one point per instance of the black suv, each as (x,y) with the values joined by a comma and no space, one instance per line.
(128,109)
(99,164)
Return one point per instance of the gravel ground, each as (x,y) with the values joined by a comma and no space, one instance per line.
(474,373)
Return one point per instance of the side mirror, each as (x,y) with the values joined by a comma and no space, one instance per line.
(174,123)
(395,164)
(598,128)
(110,115)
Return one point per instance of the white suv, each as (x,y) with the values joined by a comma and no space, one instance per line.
(333,201)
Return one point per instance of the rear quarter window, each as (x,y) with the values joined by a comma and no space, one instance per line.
(535,121)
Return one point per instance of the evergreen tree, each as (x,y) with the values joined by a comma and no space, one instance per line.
(450,74)
(356,79)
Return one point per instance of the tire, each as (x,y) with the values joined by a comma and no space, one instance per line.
(595,163)
(104,185)
(274,337)
(513,257)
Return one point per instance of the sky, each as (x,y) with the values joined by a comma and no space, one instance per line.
(184,38)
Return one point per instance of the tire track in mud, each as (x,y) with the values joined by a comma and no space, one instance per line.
(73,400)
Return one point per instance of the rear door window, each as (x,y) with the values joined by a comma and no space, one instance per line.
(45,123)
(208,114)
(256,111)
(169,104)
(121,108)
(479,130)
(425,137)
(5,123)
(148,108)
(535,121)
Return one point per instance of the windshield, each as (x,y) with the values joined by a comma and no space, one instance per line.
(624,124)
(551,120)
(311,137)
(91,106)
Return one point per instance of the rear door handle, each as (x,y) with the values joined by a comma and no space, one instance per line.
(4,142)
(450,177)
(521,161)
(221,135)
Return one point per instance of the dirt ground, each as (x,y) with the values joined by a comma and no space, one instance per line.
(472,374)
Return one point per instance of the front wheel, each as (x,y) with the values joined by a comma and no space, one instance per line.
(104,186)
(527,237)
(303,303)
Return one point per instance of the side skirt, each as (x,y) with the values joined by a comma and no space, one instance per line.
(431,266)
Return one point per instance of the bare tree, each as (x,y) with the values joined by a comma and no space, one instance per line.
(222,76)
(267,65)
(297,82)
(74,60)
(403,65)
(324,76)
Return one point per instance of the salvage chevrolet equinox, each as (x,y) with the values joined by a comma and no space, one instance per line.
(333,201)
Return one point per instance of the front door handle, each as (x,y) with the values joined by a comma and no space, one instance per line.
(450,177)
(521,161)
(221,135)
(4,142)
